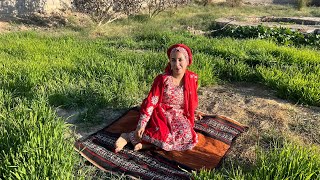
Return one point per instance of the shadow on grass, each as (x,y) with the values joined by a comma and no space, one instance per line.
(85,109)
(37,20)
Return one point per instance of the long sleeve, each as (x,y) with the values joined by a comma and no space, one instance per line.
(150,102)
(190,95)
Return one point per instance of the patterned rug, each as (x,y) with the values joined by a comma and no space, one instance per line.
(215,133)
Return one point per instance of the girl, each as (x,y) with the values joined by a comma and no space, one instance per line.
(167,115)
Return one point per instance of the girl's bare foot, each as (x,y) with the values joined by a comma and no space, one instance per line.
(121,142)
(140,146)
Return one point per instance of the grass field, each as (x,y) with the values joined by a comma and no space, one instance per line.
(114,65)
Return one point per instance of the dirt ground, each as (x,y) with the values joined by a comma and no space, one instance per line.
(269,118)
(3,26)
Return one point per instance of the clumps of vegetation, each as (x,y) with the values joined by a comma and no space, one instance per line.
(302,4)
(290,161)
(291,71)
(106,11)
(202,2)
(283,36)
(33,144)
(234,3)
(40,71)
(157,6)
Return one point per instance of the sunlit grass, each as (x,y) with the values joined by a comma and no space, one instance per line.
(289,161)
(39,72)
(114,66)
(198,17)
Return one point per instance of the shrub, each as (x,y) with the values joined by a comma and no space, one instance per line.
(157,6)
(280,35)
(234,3)
(106,11)
(180,2)
(302,4)
(202,2)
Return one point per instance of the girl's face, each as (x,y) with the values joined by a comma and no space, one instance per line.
(178,63)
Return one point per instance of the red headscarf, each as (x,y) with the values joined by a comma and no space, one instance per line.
(171,48)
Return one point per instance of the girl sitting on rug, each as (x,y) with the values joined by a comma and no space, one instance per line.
(167,115)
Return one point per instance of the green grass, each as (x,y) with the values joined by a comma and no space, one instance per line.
(198,17)
(32,144)
(202,17)
(293,72)
(289,161)
(39,72)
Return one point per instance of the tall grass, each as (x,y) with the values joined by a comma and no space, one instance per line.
(293,72)
(291,161)
(198,17)
(302,4)
(40,72)
(288,162)
(32,141)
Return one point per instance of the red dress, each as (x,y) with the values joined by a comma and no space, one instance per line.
(168,122)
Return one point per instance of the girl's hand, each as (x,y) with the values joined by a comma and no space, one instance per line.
(139,132)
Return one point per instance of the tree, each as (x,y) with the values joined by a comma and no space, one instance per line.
(106,11)
(157,6)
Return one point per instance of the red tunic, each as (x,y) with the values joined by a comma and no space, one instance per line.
(168,113)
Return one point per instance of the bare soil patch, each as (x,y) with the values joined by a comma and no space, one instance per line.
(44,22)
(3,26)
(269,118)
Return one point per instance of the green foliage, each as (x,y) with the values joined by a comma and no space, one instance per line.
(283,36)
(243,60)
(287,162)
(292,84)
(32,144)
(106,11)
(234,3)
(302,4)
(290,162)
(39,73)
(316,13)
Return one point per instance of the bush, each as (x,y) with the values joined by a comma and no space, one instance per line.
(234,3)
(106,11)
(157,6)
(283,36)
(302,4)
(202,2)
